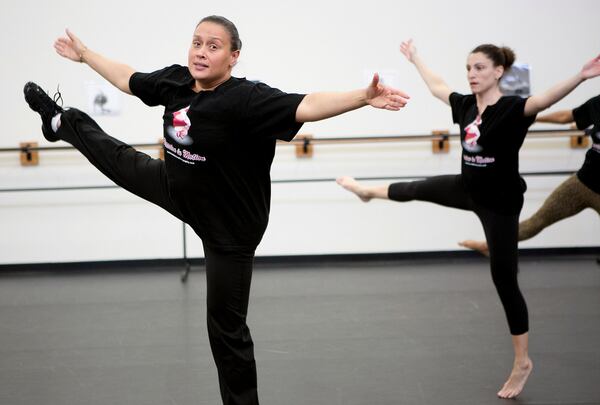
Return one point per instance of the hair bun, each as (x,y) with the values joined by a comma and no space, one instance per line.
(509,57)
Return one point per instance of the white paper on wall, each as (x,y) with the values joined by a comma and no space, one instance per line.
(517,81)
(103,99)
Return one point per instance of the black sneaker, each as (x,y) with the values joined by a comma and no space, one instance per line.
(41,103)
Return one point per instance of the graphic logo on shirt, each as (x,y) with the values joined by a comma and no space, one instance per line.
(181,126)
(472,134)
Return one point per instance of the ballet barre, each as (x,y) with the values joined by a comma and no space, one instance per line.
(184,274)
(305,144)
(440,139)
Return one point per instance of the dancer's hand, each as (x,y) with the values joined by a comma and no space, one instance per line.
(384,97)
(409,50)
(591,69)
(70,47)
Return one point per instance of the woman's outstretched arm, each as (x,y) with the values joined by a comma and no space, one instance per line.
(118,74)
(540,102)
(437,86)
(319,106)
(557,117)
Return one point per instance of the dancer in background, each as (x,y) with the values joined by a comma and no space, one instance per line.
(492,128)
(576,193)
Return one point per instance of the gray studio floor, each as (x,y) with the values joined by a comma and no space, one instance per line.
(379,332)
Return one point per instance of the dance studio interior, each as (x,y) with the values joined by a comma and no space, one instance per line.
(103,295)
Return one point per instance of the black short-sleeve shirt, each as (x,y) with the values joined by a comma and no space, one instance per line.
(585,115)
(490,150)
(219,146)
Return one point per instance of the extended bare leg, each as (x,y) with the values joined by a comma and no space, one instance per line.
(365,193)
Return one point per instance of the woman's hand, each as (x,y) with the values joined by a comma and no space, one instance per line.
(409,50)
(70,47)
(380,96)
(591,69)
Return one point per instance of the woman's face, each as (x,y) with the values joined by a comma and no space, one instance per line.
(482,74)
(210,58)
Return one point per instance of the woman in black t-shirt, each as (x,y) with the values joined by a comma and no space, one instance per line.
(576,193)
(492,128)
(219,142)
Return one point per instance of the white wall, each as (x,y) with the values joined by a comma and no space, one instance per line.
(299,47)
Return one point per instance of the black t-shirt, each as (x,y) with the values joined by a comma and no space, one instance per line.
(490,155)
(585,115)
(219,146)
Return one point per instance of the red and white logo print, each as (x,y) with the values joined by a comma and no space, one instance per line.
(472,134)
(181,122)
(181,126)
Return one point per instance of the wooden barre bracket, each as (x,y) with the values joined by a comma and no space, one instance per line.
(29,157)
(304,149)
(442,144)
(579,141)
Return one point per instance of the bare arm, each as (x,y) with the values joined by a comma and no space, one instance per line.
(116,73)
(540,102)
(557,117)
(437,86)
(318,106)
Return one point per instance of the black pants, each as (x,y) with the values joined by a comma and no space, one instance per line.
(501,232)
(228,273)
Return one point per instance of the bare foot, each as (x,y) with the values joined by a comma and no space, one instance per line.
(517,379)
(478,245)
(354,186)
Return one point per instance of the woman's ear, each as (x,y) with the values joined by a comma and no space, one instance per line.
(499,72)
(234,58)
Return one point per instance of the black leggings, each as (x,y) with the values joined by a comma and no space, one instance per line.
(228,272)
(501,232)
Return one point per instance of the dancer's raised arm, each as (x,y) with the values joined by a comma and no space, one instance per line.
(118,74)
(437,86)
(542,101)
